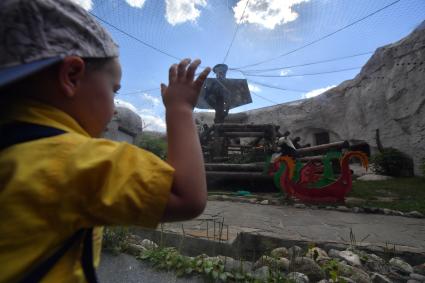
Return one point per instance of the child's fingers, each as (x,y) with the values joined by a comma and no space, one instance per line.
(181,71)
(201,78)
(190,74)
(163,89)
(172,75)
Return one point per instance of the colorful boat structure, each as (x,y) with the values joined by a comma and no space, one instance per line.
(315,181)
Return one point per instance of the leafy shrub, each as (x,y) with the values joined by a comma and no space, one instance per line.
(392,162)
(156,145)
(170,259)
(115,239)
(212,268)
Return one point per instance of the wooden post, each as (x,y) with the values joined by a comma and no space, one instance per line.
(244,134)
(248,167)
(323,148)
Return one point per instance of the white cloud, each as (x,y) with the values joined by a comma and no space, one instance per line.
(152,121)
(285,72)
(86,4)
(317,92)
(267,13)
(136,3)
(180,11)
(254,88)
(147,111)
(151,99)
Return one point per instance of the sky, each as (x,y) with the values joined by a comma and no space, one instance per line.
(251,37)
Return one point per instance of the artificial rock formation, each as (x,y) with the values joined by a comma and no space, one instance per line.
(388,94)
(126,125)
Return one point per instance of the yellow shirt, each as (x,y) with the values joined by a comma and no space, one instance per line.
(51,187)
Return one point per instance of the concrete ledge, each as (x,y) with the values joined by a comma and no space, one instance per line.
(251,246)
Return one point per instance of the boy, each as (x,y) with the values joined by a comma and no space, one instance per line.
(59,70)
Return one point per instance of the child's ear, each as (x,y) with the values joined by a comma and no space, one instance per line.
(71,74)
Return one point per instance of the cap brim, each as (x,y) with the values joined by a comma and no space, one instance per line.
(12,74)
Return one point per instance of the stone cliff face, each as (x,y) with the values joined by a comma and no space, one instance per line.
(126,125)
(388,94)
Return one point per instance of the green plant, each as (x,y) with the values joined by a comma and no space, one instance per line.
(170,259)
(315,255)
(392,162)
(154,144)
(212,268)
(332,270)
(311,249)
(277,277)
(115,239)
(389,252)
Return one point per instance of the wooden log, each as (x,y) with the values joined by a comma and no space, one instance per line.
(311,158)
(239,146)
(323,148)
(237,175)
(249,167)
(244,134)
(244,128)
(234,149)
(272,137)
(220,158)
(235,125)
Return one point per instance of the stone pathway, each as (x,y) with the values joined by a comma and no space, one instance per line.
(303,224)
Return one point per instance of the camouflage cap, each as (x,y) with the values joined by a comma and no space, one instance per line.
(35,34)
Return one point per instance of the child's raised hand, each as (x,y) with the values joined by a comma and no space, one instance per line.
(183,90)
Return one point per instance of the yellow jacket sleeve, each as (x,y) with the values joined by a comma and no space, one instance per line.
(116,183)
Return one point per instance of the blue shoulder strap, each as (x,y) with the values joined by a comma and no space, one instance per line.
(20,132)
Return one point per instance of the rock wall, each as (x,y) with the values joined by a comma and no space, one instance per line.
(388,94)
(126,126)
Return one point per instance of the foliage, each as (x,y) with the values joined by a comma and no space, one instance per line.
(389,252)
(154,144)
(392,162)
(331,268)
(212,268)
(115,239)
(170,259)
